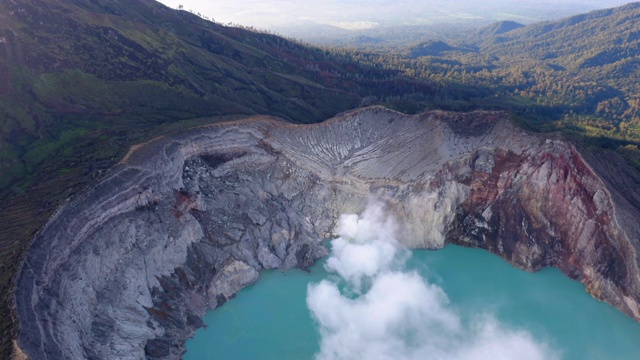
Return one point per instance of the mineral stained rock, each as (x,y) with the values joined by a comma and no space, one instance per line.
(127,270)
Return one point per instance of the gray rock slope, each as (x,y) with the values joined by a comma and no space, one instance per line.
(182,223)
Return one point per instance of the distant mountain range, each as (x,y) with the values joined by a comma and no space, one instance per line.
(335,22)
(577,75)
(595,39)
(588,63)
(500,27)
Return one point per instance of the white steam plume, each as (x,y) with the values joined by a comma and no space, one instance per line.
(395,313)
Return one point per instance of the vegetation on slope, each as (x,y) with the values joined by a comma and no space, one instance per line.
(578,75)
(77,67)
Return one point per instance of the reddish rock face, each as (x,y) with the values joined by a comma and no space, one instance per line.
(549,208)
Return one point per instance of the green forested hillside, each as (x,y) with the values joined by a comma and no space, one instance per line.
(79,68)
(499,28)
(588,62)
(578,75)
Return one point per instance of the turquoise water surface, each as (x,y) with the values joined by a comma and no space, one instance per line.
(270,319)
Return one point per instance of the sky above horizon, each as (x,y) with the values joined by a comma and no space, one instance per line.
(361,14)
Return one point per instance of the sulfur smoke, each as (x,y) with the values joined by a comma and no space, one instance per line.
(377,309)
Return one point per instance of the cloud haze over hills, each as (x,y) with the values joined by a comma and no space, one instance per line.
(362,14)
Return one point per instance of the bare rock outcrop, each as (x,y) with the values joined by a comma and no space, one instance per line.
(184,222)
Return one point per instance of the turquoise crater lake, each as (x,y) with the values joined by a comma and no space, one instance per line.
(271,320)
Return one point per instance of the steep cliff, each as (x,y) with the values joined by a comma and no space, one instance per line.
(184,222)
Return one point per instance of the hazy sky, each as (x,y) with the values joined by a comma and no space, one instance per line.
(371,13)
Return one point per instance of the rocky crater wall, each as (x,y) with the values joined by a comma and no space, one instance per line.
(127,270)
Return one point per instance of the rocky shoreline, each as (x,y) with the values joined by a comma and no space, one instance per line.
(182,223)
